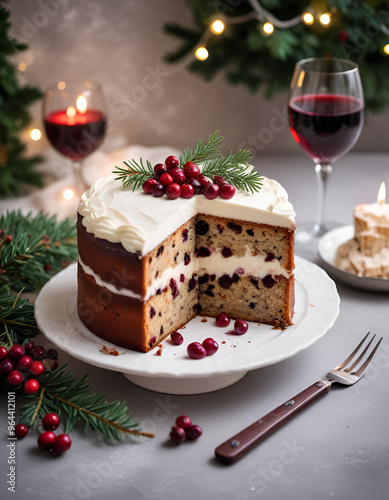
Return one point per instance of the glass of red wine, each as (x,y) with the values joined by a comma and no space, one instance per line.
(325,117)
(75,120)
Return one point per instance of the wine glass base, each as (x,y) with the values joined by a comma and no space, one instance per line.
(307,238)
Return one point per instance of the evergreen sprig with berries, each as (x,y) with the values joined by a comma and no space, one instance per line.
(182,177)
(32,249)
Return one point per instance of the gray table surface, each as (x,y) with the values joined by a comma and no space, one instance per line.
(338,448)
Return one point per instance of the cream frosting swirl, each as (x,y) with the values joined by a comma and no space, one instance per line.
(140,222)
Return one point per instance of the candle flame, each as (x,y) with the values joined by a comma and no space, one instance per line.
(71,112)
(381,194)
(81,103)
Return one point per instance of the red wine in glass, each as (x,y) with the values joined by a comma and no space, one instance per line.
(325,118)
(325,125)
(78,139)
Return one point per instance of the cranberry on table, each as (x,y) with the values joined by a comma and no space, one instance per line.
(177,434)
(159,169)
(227,191)
(21,431)
(30,344)
(50,421)
(196,351)
(38,353)
(24,362)
(61,444)
(187,191)
(178,175)
(3,352)
(177,338)
(183,421)
(240,326)
(31,386)
(157,190)
(46,440)
(16,351)
(37,368)
(211,191)
(172,161)
(148,184)
(191,170)
(222,319)
(15,378)
(6,366)
(52,354)
(193,432)
(210,345)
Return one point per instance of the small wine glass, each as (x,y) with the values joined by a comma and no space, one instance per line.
(74,115)
(325,117)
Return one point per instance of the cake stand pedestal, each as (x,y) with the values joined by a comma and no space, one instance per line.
(183,385)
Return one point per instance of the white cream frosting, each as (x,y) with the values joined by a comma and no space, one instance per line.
(140,222)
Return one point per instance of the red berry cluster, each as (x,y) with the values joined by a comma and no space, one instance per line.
(184,429)
(48,440)
(20,365)
(176,182)
(196,350)
(240,325)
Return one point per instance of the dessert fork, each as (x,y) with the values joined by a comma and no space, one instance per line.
(348,372)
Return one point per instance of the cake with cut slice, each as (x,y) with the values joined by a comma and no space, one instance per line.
(148,265)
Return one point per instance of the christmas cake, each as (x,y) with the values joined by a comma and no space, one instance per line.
(149,264)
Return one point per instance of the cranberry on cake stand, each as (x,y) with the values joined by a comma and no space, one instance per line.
(174,372)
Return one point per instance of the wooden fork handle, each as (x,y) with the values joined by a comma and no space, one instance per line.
(237,446)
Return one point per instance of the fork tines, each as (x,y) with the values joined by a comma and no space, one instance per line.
(352,368)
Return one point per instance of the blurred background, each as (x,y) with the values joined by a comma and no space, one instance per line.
(121,44)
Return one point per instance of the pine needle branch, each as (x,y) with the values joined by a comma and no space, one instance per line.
(135,174)
(32,249)
(203,152)
(61,393)
(17,320)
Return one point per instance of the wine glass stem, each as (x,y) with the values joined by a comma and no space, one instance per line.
(81,184)
(323,170)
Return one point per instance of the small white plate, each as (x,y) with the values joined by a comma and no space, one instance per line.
(316,309)
(327,248)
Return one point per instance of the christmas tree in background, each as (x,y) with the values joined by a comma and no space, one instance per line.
(15,169)
(257,42)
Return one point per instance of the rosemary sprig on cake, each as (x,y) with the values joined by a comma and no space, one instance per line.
(182,177)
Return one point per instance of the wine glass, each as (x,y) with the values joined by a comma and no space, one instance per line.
(75,120)
(325,117)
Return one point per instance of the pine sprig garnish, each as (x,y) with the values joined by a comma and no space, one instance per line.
(135,174)
(61,393)
(235,171)
(33,248)
(233,168)
(17,320)
(203,152)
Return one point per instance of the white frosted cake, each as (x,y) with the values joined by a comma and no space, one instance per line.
(148,265)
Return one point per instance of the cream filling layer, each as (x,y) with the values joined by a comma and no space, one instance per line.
(247,265)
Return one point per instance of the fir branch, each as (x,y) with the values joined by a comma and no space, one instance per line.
(135,174)
(235,171)
(40,247)
(61,393)
(17,320)
(203,152)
